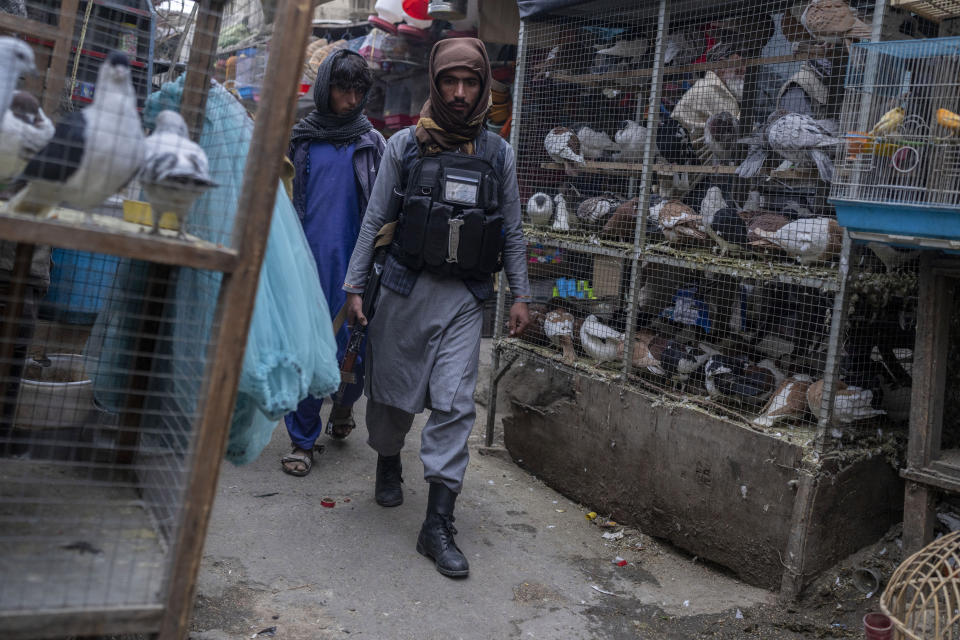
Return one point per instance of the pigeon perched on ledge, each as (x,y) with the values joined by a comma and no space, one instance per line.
(24,131)
(16,58)
(94,153)
(175,170)
(539,208)
(563,146)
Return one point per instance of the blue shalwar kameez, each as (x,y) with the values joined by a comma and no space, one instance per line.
(331,223)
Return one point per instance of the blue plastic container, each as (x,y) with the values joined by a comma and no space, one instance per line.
(899,219)
(79,284)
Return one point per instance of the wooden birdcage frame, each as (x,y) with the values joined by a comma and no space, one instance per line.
(922,597)
(240,264)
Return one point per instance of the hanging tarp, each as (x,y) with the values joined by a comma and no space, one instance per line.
(530,8)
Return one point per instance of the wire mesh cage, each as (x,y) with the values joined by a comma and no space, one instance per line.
(923,595)
(675,161)
(900,125)
(127,207)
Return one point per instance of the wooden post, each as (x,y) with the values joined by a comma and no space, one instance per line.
(10,320)
(57,73)
(926,399)
(235,306)
(203,54)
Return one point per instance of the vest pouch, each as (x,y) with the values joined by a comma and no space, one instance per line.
(471,239)
(435,242)
(491,251)
(416,213)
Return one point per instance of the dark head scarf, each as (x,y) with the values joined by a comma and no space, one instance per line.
(324,125)
(441,128)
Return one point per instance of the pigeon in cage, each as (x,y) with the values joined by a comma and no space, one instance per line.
(948,120)
(789,401)
(720,135)
(642,358)
(175,170)
(16,59)
(888,122)
(722,222)
(593,212)
(540,208)
(799,139)
(676,360)
(761,220)
(561,218)
(621,225)
(673,142)
(736,378)
(94,152)
(634,49)
(849,403)
(558,327)
(594,144)
(683,47)
(24,131)
(833,22)
(632,141)
(809,240)
(563,146)
(680,223)
(599,341)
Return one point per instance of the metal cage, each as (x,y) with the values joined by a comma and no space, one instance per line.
(120,357)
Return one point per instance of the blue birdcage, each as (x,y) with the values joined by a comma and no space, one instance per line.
(898,175)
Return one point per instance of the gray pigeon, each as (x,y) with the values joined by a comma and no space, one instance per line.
(16,58)
(175,170)
(798,139)
(24,131)
(94,153)
(720,135)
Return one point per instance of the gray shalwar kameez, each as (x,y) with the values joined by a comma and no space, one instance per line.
(423,348)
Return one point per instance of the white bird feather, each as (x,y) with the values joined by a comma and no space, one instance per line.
(540,208)
(561,221)
(594,144)
(600,341)
(16,58)
(632,140)
(24,131)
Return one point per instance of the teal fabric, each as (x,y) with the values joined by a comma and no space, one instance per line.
(290,352)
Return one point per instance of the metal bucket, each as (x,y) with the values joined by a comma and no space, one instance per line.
(447,9)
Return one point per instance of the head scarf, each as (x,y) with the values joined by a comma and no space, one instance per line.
(324,125)
(441,128)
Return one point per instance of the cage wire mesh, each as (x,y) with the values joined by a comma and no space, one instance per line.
(695,250)
(102,358)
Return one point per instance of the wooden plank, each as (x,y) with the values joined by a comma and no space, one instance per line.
(56,84)
(163,248)
(48,623)
(929,365)
(706,169)
(203,51)
(944,479)
(235,306)
(27,27)
(794,553)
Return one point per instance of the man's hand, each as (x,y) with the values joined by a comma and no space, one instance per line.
(355,310)
(519,319)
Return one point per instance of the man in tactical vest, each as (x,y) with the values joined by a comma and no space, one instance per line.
(451,186)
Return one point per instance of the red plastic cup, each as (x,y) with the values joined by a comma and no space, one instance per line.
(877,626)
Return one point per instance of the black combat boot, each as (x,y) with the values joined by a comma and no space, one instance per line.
(388,492)
(436,535)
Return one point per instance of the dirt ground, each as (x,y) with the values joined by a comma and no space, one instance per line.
(278,564)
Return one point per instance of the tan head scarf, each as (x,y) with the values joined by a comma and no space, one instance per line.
(441,128)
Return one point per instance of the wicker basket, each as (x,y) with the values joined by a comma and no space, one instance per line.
(923,596)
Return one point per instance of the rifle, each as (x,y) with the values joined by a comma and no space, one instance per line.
(381,244)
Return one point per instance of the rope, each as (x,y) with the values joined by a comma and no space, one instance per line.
(83,36)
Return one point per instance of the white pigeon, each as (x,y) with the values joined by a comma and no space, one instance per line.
(24,131)
(561,221)
(632,139)
(594,144)
(563,146)
(540,208)
(809,240)
(94,153)
(682,48)
(175,170)
(849,403)
(16,58)
(558,325)
(600,341)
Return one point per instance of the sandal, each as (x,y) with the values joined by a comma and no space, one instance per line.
(340,426)
(306,459)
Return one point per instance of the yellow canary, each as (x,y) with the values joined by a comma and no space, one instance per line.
(889,122)
(948,119)
(859,143)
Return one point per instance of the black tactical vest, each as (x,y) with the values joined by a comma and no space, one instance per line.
(450,222)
